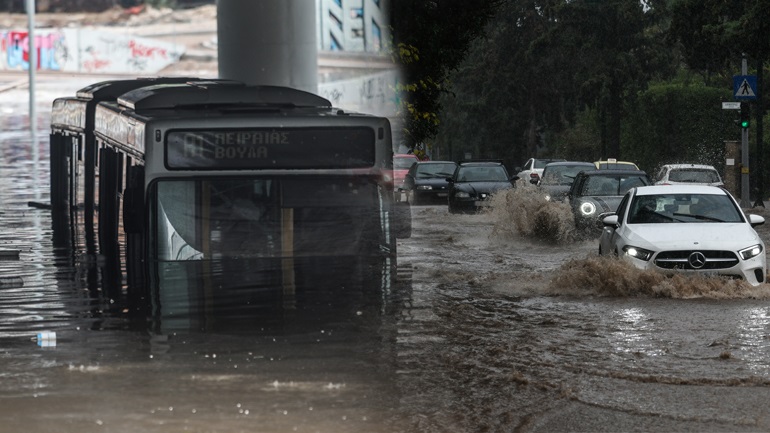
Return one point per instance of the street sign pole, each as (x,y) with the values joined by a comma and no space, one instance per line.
(30,6)
(745,199)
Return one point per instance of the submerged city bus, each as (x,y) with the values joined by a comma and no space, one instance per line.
(232,194)
(74,180)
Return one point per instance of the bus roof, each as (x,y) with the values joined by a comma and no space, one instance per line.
(111,89)
(76,113)
(217,93)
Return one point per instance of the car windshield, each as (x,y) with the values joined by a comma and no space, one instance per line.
(562,174)
(683,208)
(611,185)
(482,174)
(694,175)
(428,171)
(403,163)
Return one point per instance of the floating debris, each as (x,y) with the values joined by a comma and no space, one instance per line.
(45,339)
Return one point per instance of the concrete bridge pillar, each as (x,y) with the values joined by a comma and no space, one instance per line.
(268,42)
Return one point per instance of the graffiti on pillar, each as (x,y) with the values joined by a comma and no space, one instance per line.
(372,90)
(86,50)
(51,50)
(373,94)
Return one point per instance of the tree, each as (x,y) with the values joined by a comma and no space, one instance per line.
(715,34)
(430,38)
(620,48)
(542,62)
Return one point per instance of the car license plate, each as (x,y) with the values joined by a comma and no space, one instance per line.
(441,194)
(481,203)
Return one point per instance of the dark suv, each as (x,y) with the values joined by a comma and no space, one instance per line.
(595,192)
(474,182)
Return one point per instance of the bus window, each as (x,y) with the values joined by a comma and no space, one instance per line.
(218,218)
(177,235)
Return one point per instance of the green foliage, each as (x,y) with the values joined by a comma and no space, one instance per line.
(580,142)
(541,63)
(672,123)
(571,79)
(431,39)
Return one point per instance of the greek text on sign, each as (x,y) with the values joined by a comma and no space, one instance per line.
(260,148)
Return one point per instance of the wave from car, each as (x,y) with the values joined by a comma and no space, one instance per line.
(686,228)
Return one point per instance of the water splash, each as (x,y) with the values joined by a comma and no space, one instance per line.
(524,211)
(610,276)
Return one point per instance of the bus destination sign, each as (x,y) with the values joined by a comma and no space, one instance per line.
(287,148)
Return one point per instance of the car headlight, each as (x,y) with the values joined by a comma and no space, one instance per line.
(548,197)
(587,208)
(638,253)
(750,252)
(425,187)
(462,194)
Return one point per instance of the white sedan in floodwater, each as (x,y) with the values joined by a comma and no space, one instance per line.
(686,228)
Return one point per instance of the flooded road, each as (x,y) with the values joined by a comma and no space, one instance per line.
(490,325)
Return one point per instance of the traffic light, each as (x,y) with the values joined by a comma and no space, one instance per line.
(745,114)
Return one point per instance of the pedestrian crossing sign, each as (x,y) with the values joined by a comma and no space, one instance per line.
(745,87)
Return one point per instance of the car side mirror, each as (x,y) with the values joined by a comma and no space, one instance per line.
(756,220)
(610,220)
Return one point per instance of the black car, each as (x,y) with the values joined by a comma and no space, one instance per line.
(426,181)
(474,182)
(558,177)
(596,192)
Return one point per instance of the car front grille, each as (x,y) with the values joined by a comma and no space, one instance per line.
(696,259)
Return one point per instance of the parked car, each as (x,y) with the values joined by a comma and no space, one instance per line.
(558,177)
(596,192)
(426,181)
(401,164)
(473,183)
(614,164)
(686,228)
(674,174)
(533,169)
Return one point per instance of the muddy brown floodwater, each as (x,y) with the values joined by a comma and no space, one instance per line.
(505,321)
(524,328)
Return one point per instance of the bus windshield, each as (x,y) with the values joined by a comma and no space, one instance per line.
(234,217)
